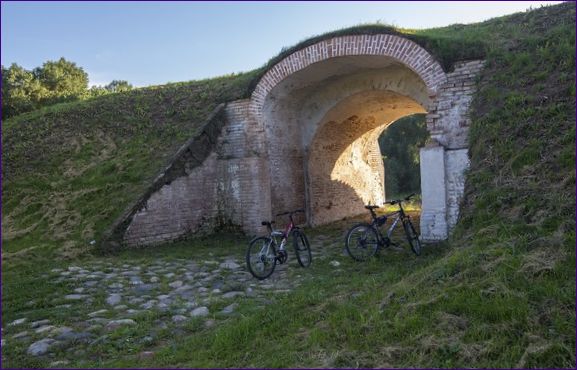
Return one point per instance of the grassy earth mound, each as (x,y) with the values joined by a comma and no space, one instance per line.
(69,170)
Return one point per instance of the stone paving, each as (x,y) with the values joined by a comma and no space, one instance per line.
(179,290)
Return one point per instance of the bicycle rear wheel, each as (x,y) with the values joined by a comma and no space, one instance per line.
(302,248)
(362,242)
(412,237)
(261,257)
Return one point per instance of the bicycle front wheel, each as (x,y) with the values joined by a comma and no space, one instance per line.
(302,248)
(412,237)
(261,257)
(362,242)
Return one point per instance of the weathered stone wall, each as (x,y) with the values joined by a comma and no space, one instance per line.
(448,122)
(186,205)
(244,169)
(456,163)
(343,174)
(434,205)
(229,188)
(286,156)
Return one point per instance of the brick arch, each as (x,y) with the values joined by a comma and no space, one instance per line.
(344,166)
(401,49)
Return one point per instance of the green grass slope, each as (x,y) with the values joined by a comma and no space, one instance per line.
(71,169)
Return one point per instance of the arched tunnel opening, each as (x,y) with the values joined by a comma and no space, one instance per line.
(308,139)
(322,126)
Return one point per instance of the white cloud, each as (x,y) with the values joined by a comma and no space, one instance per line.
(97,78)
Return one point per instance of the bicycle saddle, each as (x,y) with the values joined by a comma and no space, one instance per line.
(371,207)
(267,223)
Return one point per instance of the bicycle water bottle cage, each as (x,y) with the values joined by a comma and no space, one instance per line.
(381,220)
(277,233)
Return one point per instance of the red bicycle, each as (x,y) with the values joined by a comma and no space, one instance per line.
(265,252)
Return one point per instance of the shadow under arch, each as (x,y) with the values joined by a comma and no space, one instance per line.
(344,167)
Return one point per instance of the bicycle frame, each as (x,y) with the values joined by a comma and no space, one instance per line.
(364,239)
(386,240)
(281,253)
(275,233)
(289,227)
(394,225)
(265,252)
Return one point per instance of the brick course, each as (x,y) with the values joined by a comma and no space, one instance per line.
(448,120)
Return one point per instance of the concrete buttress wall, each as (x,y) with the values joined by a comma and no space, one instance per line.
(226,189)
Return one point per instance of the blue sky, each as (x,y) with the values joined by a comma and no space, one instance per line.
(149,43)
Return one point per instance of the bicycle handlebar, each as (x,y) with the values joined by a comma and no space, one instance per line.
(291,212)
(393,202)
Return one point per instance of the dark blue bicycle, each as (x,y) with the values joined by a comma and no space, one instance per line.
(364,240)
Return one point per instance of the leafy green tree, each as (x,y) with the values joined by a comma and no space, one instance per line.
(21,91)
(400,145)
(118,86)
(63,79)
(54,82)
(95,91)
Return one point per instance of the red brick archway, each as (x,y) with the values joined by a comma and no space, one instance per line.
(326,74)
(401,49)
(257,152)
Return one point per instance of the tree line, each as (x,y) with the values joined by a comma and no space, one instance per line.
(54,82)
(400,144)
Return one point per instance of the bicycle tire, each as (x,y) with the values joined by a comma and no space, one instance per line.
(261,257)
(302,248)
(412,237)
(362,242)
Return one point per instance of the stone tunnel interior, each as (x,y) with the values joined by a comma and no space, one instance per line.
(323,125)
(345,167)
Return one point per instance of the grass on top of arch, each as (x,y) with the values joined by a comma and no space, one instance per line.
(447,47)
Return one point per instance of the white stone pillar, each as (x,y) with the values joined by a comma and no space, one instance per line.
(433,190)
(456,162)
